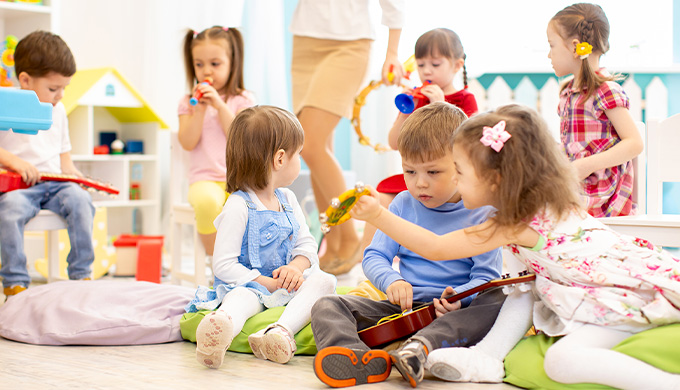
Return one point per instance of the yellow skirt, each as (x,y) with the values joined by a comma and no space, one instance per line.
(327,74)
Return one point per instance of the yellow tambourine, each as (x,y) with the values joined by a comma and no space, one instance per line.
(360,101)
(338,211)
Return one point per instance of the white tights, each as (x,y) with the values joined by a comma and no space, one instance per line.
(585,356)
(241,303)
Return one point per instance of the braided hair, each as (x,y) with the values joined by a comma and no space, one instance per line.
(587,23)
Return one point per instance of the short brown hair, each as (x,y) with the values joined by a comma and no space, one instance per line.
(232,40)
(42,52)
(254,137)
(426,134)
(534,173)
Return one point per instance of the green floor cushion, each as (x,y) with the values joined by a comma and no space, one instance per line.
(658,347)
(304,339)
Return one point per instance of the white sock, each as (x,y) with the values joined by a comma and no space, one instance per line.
(484,361)
(585,356)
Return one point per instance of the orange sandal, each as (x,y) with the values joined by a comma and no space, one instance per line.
(343,367)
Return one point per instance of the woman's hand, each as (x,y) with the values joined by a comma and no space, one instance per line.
(288,277)
(392,65)
(400,293)
(367,207)
(442,306)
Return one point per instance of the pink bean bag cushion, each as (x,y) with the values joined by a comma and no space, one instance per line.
(101,312)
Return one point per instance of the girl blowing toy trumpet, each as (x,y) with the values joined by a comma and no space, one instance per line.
(215,56)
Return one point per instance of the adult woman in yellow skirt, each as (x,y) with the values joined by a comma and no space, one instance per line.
(331,49)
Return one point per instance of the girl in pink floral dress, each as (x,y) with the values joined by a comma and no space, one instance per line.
(594,286)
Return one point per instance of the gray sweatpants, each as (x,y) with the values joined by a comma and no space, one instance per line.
(336,319)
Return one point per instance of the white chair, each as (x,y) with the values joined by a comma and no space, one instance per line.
(662,159)
(52,223)
(181,213)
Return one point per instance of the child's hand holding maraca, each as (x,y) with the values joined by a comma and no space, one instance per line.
(367,208)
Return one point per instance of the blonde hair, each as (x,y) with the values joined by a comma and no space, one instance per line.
(232,41)
(426,134)
(255,135)
(530,172)
(587,23)
(444,42)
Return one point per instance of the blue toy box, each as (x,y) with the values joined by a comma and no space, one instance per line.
(22,112)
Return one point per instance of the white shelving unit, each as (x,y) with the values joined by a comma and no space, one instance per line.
(102,101)
(20,19)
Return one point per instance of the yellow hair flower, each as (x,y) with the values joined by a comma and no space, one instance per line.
(583,49)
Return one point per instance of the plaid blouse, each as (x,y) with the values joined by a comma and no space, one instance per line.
(586,130)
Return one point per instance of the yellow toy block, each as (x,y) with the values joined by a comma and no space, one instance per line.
(104,256)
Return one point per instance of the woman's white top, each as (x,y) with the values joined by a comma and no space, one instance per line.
(343,20)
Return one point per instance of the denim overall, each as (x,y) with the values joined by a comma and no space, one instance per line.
(267,245)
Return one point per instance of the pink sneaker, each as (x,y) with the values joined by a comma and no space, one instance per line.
(273,343)
(213,337)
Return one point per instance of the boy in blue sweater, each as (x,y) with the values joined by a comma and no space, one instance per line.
(432,202)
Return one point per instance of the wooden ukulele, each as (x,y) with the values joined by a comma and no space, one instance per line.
(10,181)
(338,211)
(407,324)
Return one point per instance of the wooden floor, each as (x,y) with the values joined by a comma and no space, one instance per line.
(166,366)
(169,366)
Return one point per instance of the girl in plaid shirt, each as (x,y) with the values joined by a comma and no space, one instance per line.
(597,131)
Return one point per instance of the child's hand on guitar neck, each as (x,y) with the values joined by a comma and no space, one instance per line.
(442,306)
(368,207)
(400,293)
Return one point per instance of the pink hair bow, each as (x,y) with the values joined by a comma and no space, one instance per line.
(495,137)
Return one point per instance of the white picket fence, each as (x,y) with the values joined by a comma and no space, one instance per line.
(546,99)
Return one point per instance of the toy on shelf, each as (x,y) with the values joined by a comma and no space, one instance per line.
(198,94)
(117,147)
(22,112)
(8,46)
(409,101)
(360,101)
(338,211)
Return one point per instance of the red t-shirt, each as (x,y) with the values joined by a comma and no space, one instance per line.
(462,99)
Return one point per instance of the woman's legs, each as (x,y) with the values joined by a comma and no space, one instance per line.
(327,182)
(584,356)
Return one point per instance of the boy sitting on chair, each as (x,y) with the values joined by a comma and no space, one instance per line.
(432,202)
(44,64)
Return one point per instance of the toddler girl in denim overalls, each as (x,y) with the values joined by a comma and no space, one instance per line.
(265,255)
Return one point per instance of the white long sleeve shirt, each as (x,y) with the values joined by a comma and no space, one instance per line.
(343,20)
(231,226)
